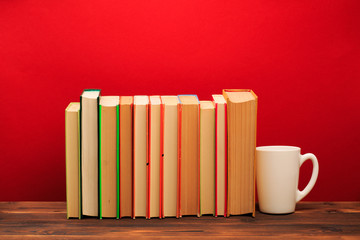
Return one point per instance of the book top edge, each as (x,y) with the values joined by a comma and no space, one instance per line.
(91,93)
(73,107)
(188,99)
(218,98)
(109,101)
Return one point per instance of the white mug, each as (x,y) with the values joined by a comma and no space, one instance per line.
(278,175)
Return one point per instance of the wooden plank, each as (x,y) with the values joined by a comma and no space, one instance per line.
(38,220)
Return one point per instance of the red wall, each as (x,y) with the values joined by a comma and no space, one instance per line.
(302,58)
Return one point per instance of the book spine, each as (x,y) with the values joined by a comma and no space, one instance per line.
(100,198)
(216,158)
(133,165)
(148,159)
(161,206)
(66,167)
(117,162)
(80,159)
(226,161)
(132,161)
(198,161)
(178,213)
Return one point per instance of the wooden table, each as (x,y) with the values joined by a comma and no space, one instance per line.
(47,220)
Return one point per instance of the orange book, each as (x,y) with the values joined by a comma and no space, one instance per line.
(188,156)
(241,119)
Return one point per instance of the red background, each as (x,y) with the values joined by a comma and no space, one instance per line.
(302,58)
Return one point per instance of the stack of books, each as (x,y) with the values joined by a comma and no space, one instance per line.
(161,156)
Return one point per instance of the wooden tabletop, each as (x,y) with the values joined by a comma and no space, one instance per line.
(47,220)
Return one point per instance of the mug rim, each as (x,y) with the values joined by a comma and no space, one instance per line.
(277,148)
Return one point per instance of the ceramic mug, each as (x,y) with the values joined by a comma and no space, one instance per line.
(278,175)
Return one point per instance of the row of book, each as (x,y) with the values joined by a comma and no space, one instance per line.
(160,156)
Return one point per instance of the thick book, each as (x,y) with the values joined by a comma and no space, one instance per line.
(242,118)
(188,159)
(126,155)
(72,152)
(169,156)
(154,157)
(89,132)
(207,158)
(220,155)
(140,178)
(109,157)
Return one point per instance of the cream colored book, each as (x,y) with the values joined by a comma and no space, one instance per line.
(72,142)
(108,162)
(189,155)
(126,156)
(221,155)
(207,158)
(154,157)
(242,115)
(141,104)
(169,152)
(89,111)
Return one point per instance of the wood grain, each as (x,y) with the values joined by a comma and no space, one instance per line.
(315,220)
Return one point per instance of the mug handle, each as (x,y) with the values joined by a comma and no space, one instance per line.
(308,156)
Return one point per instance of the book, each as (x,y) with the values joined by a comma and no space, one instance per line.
(221,155)
(207,158)
(241,118)
(89,132)
(188,151)
(154,157)
(126,155)
(72,153)
(140,178)
(109,157)
(169,156)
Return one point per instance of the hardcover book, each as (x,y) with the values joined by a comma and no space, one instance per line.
(154,158)
(188,150)
(241,117)
(72,147)
(109,156)
(140,178)
(169,156)
(89,132)
(126,156)
(221,155)
(207,158)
